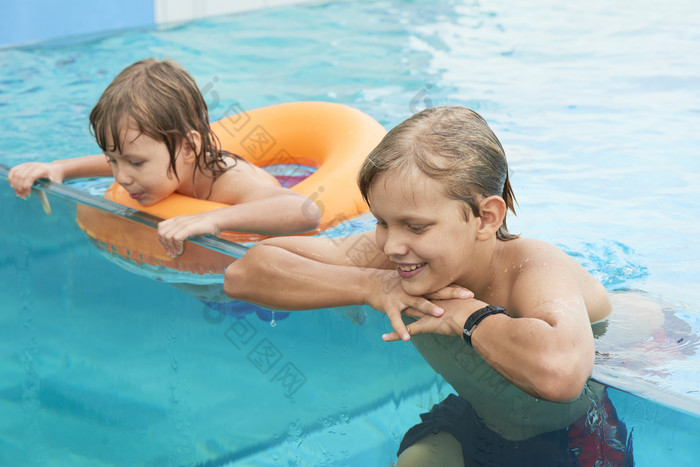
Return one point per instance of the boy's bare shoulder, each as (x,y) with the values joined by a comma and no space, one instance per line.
(529,252)
(530,259)
(539,265)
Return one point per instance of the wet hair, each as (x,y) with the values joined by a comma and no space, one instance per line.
(452,145)
(163,101)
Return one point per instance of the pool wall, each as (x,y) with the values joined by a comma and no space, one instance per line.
(94,358)
(39,20)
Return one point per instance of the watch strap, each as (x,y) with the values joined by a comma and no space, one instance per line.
(477,317)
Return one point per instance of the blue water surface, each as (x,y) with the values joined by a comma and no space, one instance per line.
(598,107)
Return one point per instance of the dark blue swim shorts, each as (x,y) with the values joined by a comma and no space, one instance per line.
(599,439)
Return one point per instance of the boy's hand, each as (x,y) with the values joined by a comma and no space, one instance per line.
(387,295)
(23,176)
(450,292)
(450,323)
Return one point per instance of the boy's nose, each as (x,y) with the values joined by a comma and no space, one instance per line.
(395,246)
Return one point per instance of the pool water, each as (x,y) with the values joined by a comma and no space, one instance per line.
(597,106)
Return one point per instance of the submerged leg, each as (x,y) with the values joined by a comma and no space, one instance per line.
(435,450)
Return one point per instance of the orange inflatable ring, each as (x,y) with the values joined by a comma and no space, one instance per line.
(332,138)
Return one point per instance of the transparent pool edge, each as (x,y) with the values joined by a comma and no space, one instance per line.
(69,193)
(674,400)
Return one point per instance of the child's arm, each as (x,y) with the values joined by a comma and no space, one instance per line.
(302,273)
(274,211)
(258,205)
(23,176)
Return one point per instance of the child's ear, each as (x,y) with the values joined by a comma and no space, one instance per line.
(492,211)
(191,146)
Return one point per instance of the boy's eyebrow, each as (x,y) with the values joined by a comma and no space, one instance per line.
(408,219)
(415,220)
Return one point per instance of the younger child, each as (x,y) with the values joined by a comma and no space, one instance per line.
(153,126)
(504,319)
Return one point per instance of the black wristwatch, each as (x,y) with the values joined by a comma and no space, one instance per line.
(477,317)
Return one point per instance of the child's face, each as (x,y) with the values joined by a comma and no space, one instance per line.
(423,232)
(142,168)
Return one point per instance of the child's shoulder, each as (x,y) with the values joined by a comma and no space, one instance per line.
(527,253)
(531,246)
(244,172)
(240,181)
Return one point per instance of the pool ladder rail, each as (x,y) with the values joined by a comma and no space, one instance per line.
(43,187)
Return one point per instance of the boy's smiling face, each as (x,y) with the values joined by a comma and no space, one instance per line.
(423,232)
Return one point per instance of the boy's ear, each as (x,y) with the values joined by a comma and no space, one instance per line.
(189,153)
(492,211)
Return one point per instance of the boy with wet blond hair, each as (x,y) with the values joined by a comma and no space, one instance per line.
(504,319)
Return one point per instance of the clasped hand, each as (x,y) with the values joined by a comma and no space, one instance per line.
(388,296)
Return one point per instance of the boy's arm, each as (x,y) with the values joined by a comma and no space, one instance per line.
(302,273)
(23,176)
(545,347)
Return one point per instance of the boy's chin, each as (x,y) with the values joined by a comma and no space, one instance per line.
(421,288)
(416,288)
